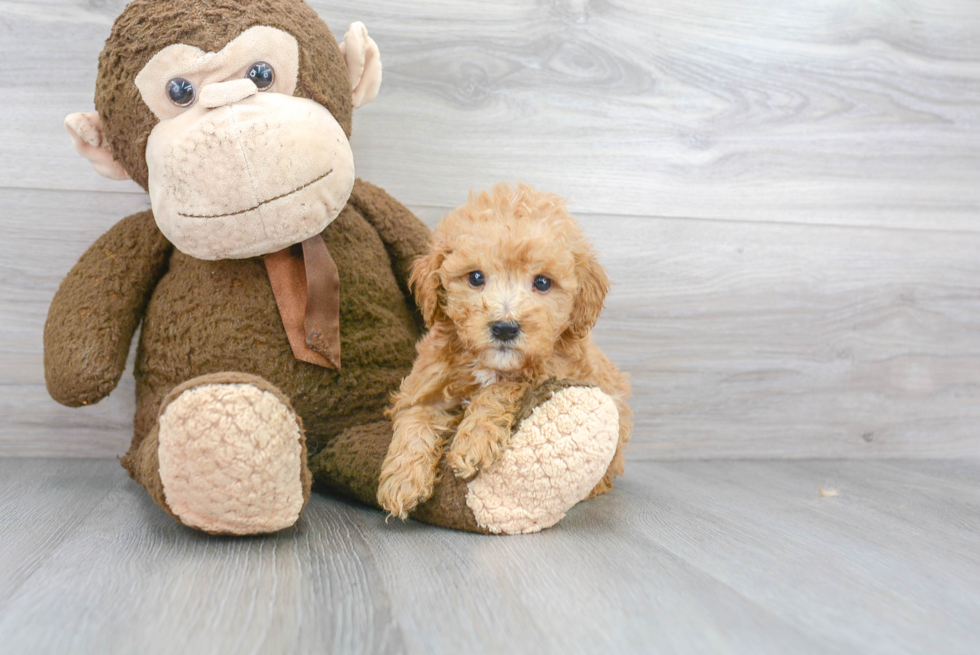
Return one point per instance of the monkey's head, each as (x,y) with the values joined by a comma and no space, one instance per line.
(235,116)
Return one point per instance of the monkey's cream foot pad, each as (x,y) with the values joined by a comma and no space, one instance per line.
(231,459)
(554,459)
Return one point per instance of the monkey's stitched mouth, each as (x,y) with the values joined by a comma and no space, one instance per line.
(264,202)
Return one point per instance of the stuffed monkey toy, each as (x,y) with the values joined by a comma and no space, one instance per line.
(271,284)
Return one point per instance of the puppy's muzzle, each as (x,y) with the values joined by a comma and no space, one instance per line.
(505,330)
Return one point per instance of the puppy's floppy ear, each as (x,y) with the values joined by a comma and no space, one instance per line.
(426,284)
(593,285)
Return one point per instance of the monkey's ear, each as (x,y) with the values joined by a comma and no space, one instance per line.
(89,140)
(363,63)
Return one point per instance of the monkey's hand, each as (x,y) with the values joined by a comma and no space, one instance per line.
(96,310)
(485,429)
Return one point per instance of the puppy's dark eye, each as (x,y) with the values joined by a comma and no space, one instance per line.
(262,74)
(541,283)
(181,92)
(477,279)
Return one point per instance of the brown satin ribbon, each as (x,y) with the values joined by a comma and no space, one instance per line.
(306,285)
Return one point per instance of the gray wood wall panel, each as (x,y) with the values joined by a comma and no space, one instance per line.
(785,194)
(742,339)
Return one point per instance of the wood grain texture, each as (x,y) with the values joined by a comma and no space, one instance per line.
(815,112)
(682,557)
(742,339)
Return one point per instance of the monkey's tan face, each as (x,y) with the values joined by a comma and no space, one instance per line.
(238,166)
(248,178)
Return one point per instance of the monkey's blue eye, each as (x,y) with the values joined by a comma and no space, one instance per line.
(541,283)
(181,92)
(477,279)
(262,74)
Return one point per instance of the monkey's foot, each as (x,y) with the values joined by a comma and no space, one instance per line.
(232,456)
(555,457)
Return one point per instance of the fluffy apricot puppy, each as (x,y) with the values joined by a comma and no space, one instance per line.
(510,290)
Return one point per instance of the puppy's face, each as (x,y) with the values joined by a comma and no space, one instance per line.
(509,295)
(513,274)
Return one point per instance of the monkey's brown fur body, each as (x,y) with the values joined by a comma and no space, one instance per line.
(216,374)
(204,317)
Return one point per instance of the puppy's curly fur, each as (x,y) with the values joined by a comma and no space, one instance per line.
(507,261)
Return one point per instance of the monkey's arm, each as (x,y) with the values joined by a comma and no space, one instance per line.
(405,236)
(97,308)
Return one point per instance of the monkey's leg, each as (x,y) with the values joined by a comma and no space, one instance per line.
(351,465)
(226,456)
(564,438)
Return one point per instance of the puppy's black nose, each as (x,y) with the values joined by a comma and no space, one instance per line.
(505,330)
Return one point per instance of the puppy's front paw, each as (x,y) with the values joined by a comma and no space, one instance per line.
(475,447)
(404,485)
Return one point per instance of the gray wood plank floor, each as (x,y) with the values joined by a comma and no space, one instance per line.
(683,557)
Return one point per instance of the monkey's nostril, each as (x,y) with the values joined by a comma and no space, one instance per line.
(505,330)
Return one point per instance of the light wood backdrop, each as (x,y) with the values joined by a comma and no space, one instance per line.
(786,194)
